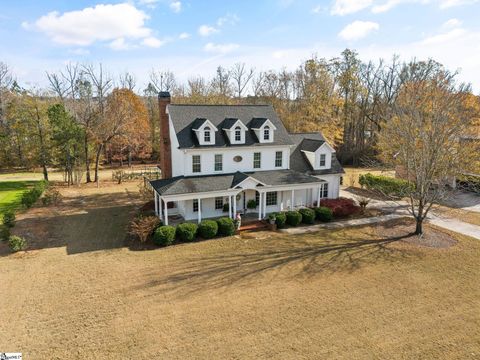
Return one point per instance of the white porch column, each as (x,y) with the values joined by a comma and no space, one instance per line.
(264,204)
(234,206)
(318,197)
(230,206)
(199,210)
(160,209)
(166,212)
(155,197)
(292,205)
(260,205)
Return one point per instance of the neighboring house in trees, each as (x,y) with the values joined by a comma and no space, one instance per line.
(212,155)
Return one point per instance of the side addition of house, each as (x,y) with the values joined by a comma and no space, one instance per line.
(213,155)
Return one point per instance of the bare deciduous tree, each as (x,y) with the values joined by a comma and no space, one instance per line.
(423,138)
(241,77)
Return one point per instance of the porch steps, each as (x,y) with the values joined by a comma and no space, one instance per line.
(254,226)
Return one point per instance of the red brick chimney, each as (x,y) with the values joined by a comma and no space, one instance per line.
(165,146)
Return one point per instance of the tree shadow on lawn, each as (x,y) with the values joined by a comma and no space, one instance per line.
(84,224)
(299,257)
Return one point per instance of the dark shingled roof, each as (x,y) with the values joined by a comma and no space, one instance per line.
(310,142)
(183,117)
(197,123)
(228,123)
(197,184)
(256,123)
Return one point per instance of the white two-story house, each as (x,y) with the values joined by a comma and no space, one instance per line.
(212,155)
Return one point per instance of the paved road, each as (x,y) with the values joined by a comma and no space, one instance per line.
(401,208)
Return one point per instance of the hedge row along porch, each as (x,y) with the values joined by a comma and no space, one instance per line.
(228,159)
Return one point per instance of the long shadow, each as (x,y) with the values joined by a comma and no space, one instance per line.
(79,224)
(295,257)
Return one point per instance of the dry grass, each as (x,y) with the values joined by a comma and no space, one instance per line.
(348,294)
(350,178)
(472,217)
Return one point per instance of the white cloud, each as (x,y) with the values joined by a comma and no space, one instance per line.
(220,48)
(119,44)
(183,36)
(386,6)
(207,30)
(344,7)
(358,29)
(99,23)
(452,23)
(80,51)
(318,9)
(153,42)
(444,37)
(176,6)
(229,19)
(445,4)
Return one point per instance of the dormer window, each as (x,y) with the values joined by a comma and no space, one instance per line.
(206,135)
(264,129)
(266,133)
(235,130)
(205,131)
(238,134)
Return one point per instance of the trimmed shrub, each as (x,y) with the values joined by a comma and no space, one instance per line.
(384,184)
(340,207)
(280,220)
(31,196)
(323,214)
(207,229)
(308,215)
(4,233)
(293,218)
(226,227)
(9,218)
(186,232)
(17,243)
(164,235)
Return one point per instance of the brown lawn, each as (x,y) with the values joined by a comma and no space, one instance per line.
(361,293)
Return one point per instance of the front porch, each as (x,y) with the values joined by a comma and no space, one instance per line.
(199,206)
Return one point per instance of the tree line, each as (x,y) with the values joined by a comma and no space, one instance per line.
(85,116)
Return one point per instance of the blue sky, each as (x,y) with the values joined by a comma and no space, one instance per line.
(192,37)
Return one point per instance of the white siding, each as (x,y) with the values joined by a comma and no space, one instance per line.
(230,166)
(333,184)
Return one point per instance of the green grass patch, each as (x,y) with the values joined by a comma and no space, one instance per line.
(11,194)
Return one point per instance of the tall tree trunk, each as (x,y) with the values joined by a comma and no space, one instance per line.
(43,155)
(129,157)
(97,160)
(419,226)
(87,161)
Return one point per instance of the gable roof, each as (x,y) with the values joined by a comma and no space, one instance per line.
(183,118)
(310,142)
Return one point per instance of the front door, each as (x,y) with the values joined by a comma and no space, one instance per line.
(240,202)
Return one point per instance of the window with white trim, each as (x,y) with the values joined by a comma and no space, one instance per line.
(257,160)
(206,135)
(196,164)
(238,134)
(218,166)
(219,203)
(323,159)
(266,133)
(278,159)
(271,198)
(325,190)
(257,197)
(195,205)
